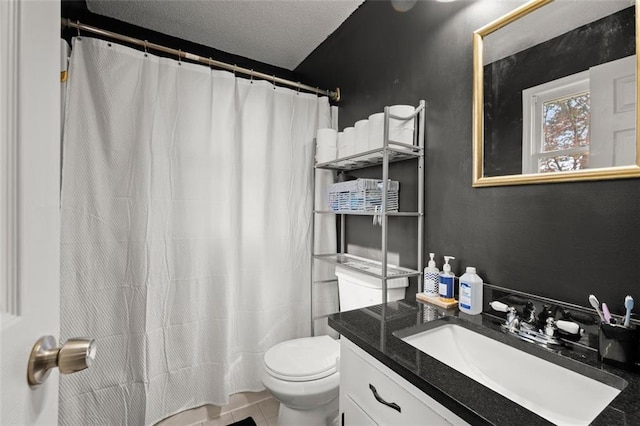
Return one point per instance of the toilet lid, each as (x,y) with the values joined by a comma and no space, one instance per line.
(297,360)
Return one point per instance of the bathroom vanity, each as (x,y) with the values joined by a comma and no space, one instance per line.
(384,397)
(385,380)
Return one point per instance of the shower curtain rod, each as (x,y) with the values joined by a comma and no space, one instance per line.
(333,95)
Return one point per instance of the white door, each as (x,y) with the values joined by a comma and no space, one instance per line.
(29,213)
(613,113)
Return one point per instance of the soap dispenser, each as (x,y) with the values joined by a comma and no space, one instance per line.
(446,281)
(431,281)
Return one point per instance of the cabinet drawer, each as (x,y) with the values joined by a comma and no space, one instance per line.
(398,402)
(353,415)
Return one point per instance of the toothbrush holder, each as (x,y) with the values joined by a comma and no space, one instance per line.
(618,345)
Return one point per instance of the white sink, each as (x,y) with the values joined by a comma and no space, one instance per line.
(555,393)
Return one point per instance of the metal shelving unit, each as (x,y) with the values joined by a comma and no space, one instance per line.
(391,151)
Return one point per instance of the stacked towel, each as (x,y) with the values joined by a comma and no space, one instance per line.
(326,145)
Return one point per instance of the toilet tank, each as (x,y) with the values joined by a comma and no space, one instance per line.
(357,290)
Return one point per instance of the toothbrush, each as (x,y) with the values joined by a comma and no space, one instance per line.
(606,313)
(628,304)
(594,302)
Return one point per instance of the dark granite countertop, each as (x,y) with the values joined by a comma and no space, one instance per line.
(469,399)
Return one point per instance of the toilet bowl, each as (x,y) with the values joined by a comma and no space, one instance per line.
(302,375)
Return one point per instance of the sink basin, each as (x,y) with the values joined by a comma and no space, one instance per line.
(556,393)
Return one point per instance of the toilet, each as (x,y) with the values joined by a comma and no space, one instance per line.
(302,374)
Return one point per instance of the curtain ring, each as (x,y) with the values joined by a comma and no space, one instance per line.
(179,57)
(78,28)
(146,52)
(210,63)
(298,88)
(234,69)
(274,81)
(251,76)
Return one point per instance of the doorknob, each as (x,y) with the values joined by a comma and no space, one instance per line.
(75,355)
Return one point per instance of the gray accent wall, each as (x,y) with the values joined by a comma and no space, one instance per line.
(563,240)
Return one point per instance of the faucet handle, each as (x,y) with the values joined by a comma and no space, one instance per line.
(513,322)
(569,327)
(499,306)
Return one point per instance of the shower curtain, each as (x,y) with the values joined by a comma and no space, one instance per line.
(186,224)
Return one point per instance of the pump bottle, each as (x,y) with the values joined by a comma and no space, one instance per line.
(431,281)
(446,279)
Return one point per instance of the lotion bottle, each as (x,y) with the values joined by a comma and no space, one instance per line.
(470,295)
(431,281)
(446,279)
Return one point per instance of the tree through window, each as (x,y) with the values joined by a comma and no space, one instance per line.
(556,125)
(565,127)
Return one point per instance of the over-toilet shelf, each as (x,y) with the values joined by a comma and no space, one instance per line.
(390,152)
(366,266)
(396,151)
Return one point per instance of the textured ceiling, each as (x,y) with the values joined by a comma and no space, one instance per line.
(277,32)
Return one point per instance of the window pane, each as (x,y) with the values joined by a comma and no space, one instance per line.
(563,163)
(566,123)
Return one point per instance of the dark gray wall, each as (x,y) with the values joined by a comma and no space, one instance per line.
(563,240)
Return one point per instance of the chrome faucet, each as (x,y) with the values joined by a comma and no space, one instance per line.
(513,322)
(526,328)
(529,313)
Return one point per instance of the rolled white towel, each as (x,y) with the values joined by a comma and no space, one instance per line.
(362,135)
(348,142)
(326,145)
(401,130)
(376,130)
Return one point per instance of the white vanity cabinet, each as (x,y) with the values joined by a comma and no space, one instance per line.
(398,402)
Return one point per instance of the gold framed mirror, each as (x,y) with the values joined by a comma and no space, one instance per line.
(551,104)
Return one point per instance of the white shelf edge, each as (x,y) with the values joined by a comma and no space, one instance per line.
(400,272)
(357,213)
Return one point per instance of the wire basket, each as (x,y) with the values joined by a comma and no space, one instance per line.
(363,195)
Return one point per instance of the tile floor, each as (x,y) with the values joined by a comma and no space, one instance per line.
(259,405)
(264,413)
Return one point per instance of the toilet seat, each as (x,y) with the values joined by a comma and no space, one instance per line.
(301,360)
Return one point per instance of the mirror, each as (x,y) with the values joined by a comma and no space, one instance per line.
(554,94)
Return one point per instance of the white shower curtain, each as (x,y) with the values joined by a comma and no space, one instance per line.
(186,226)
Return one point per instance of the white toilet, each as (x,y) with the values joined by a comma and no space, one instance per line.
(302,373)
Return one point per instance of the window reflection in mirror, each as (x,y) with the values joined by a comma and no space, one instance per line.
(556,123)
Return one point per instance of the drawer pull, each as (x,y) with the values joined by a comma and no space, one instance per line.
(382,401)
